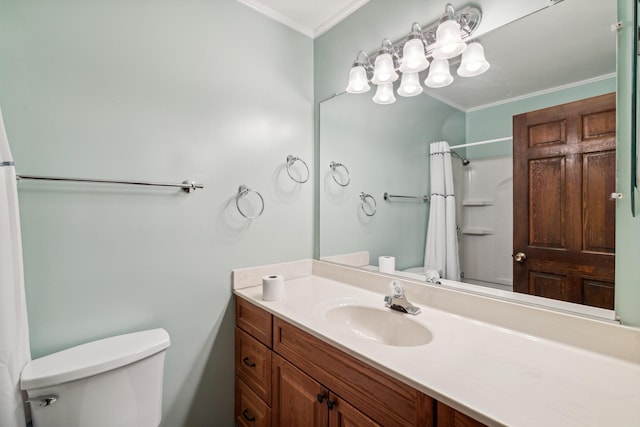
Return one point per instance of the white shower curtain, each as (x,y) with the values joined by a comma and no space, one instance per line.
(14,331)
(441,248)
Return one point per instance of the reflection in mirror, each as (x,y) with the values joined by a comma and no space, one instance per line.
(534,65)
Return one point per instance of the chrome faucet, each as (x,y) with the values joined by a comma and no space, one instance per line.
(398,301)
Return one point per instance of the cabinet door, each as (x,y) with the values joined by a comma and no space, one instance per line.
(297,399)
(342,414)
(449,417)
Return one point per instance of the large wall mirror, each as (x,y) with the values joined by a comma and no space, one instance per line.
(563,53)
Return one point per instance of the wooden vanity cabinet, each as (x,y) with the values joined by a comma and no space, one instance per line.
(449,417)
(299,400)
(287,377)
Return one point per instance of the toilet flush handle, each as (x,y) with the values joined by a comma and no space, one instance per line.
(43,401)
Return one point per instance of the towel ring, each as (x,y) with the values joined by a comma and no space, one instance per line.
(334,166)
(243,190)
(290,161)
(363,199)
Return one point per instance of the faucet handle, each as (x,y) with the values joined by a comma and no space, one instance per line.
(397,289)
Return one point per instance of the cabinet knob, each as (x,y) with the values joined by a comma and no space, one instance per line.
(331,404)
(247,416)
(248,362)
(321,397)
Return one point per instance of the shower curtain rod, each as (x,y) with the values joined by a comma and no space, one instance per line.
(488,141)
(187,186)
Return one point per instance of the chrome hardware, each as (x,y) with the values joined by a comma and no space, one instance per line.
(615,196)
(44,401)
(336,165)
(243,191)
(520,257)
(363,201)
(187,186)
(290,161)
(398,301)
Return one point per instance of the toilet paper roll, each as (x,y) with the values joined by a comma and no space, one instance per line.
(273,288)
(387,264)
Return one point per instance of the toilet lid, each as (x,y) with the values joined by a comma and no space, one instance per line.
(92,358)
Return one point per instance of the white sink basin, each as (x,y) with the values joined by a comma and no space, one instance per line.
(381,325)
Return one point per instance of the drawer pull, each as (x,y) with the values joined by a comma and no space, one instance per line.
(248,362)
(246,416)
(321,397)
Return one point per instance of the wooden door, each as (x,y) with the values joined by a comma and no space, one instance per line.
(564,167)
(297,399)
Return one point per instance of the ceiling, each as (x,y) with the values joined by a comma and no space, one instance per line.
(563,45)
(310,17)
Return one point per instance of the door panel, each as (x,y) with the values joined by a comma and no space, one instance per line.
(546,203)
(564,218)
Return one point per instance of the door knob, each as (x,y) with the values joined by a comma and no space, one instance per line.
(520,257)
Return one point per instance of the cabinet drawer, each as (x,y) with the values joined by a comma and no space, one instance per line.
(253,364)
(251,411)
(383,398)
(255,321)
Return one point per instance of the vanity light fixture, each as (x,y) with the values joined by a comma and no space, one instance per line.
(439,75)
(386,63)
(449,42)
(358,80)
(473,61)
(384,94)
(441,40)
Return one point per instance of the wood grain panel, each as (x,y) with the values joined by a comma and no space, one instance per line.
(548,133)
(599,125)
(449,417)
(255,321)
(386,400)
(547,209)
(295,397)
(250,410)
(598,294)
(550,286)
(599,181)
(253,364)
(344,415)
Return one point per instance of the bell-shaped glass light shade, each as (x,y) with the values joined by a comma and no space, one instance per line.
(473,61)
(358,82)
(384,72)
(439,75)
(384,94)
(448,40)
(414,59)
(410,85)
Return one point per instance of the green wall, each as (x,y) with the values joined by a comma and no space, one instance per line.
(157,90)
(496,121)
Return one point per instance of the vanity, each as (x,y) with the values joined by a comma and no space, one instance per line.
(331,353)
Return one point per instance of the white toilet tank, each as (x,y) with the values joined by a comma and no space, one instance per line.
(114,382)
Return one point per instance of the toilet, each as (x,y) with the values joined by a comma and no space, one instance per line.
(113,382)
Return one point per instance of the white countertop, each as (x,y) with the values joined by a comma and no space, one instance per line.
(496,375)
